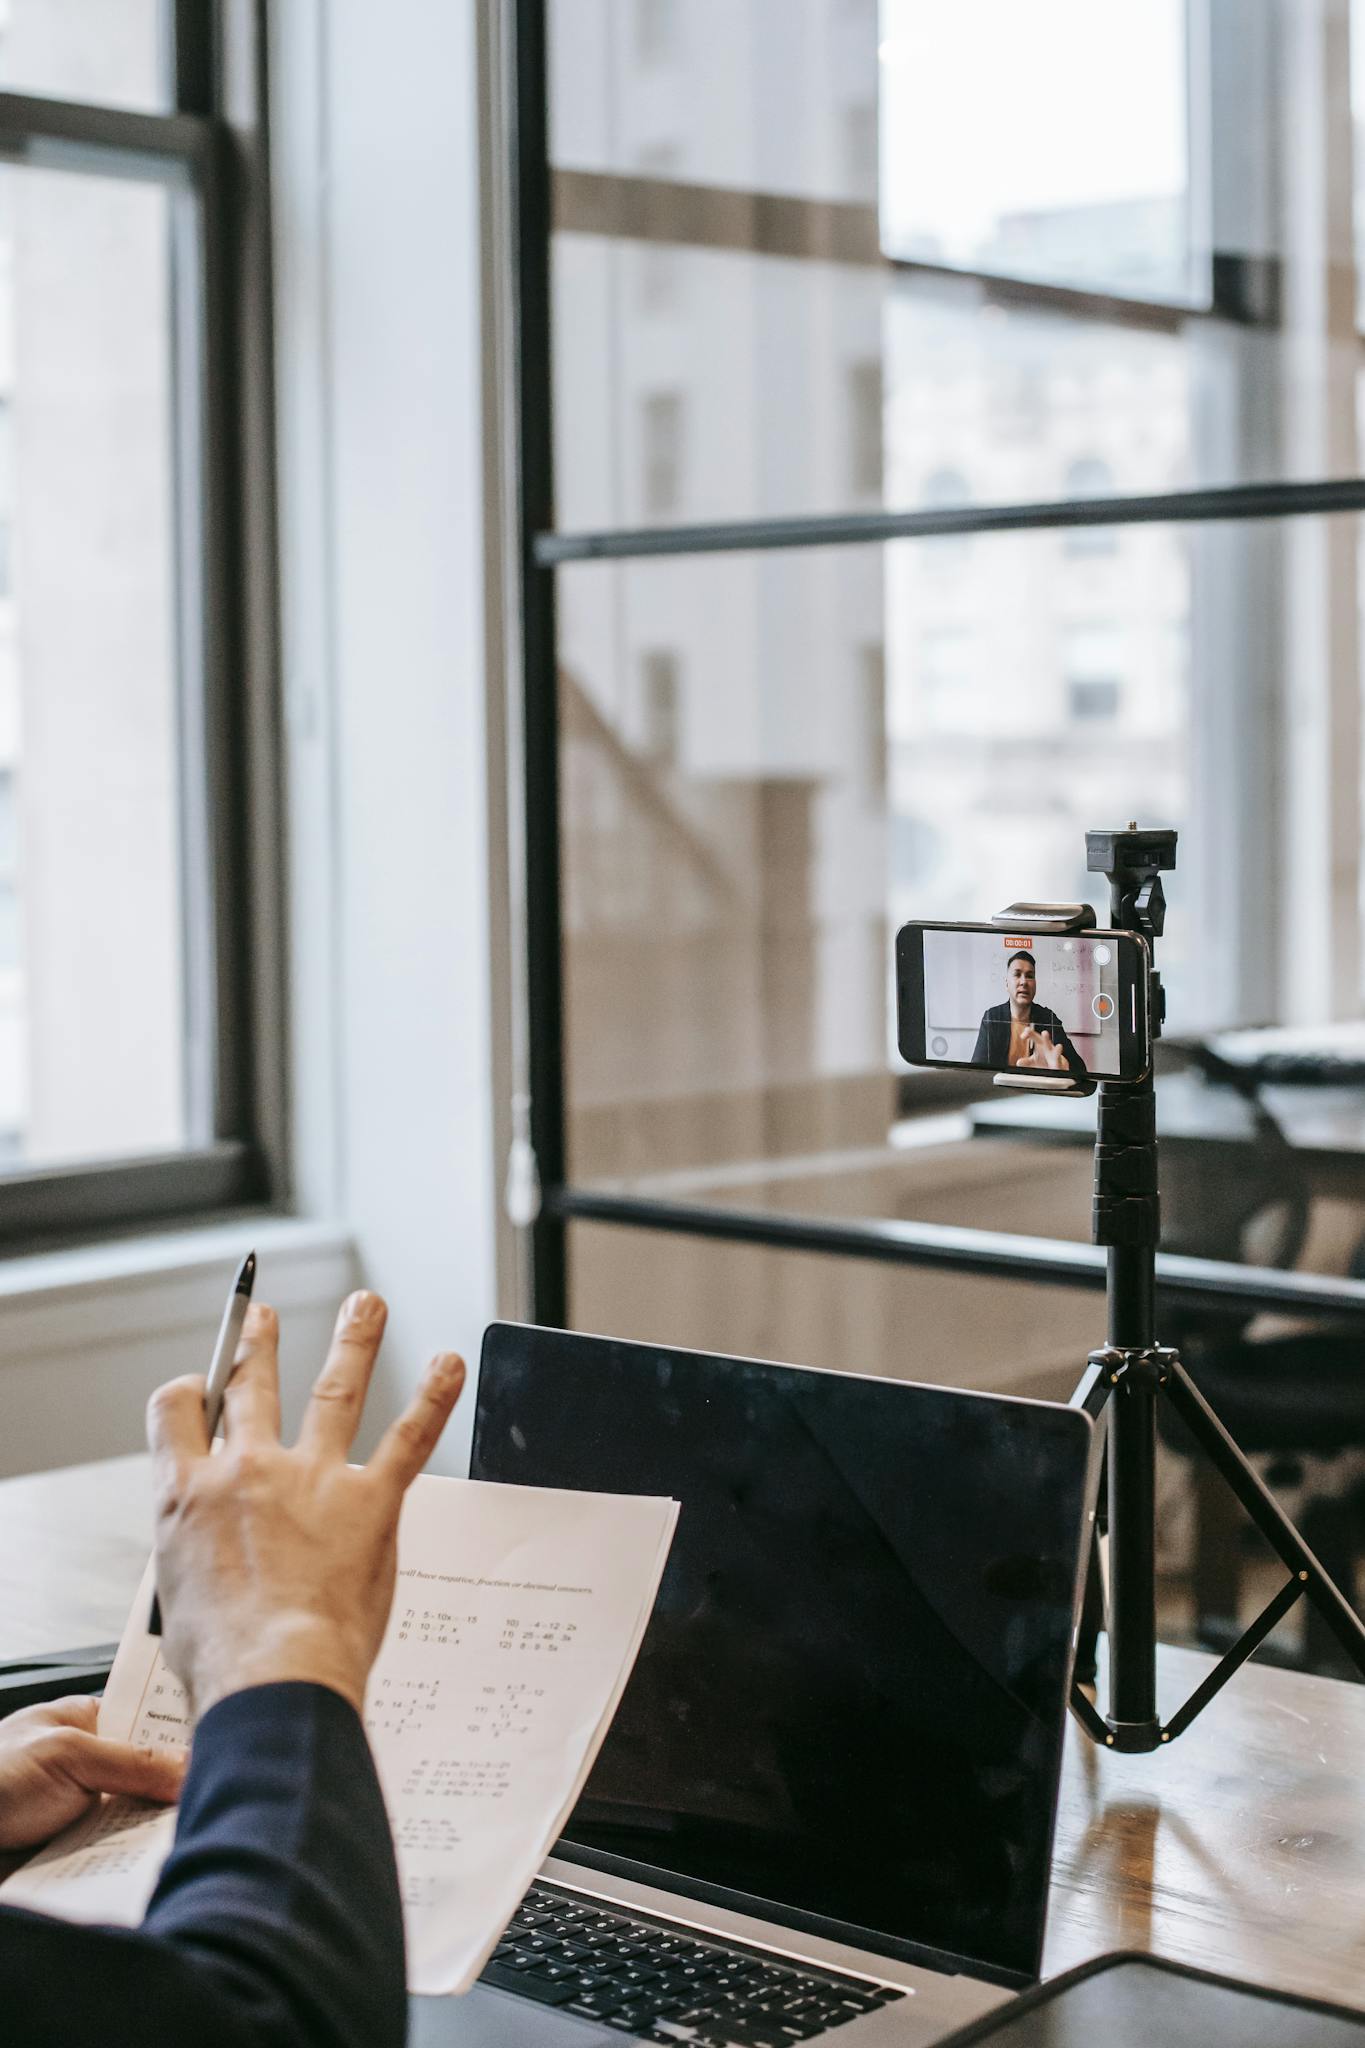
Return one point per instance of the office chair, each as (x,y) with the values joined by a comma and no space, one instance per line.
(1243,1196)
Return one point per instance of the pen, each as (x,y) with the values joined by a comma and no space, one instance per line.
(220,1372)
(225,1350)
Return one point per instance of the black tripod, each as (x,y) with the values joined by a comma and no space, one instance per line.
(1124,1380)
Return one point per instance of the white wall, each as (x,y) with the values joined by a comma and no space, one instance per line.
(375,148)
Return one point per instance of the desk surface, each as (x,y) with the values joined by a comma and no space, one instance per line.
(1240,1848)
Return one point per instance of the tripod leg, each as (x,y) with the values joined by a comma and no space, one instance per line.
(1092,1618)
(1265,1511)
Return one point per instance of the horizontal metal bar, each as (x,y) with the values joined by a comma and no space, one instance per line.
(854,529)
(1043,1261)
(69,135)
(85,1200)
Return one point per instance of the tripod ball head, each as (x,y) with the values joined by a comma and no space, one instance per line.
(1134,860)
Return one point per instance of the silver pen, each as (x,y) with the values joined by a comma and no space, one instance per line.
(220,1372)
(225,1350)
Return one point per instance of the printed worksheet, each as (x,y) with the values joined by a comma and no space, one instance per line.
(516,1620)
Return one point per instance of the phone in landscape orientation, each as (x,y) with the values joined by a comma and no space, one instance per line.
(1043,1003)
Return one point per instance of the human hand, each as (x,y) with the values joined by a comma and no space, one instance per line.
(53,1766)
(280,1564)
(1043,1053)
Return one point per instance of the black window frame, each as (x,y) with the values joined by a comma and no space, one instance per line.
(212,143)
(1243,294)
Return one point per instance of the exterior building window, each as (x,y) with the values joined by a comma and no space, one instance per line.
(6,495)
(662,430)
(945,490)
(1094,662)
(861,145)
(654,25)
(659,677)
(1090,478)
(1093,700)
(873,665)
(865,427)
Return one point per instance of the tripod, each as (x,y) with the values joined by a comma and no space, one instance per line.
(1131,1372)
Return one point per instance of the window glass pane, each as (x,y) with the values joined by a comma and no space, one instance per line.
(92,1024)
(1046,142)
(108,52)
(858,736)
(854,1315)
(755,95)
(766,350)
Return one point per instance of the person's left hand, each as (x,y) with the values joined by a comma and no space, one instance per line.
(1043,1053)
(53,1766)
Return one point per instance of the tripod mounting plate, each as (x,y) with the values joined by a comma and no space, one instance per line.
(1134,847)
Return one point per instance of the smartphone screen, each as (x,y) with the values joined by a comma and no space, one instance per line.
(977,996)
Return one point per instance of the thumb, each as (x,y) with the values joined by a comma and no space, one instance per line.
(98,1765)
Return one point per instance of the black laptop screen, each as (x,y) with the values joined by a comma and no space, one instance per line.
(850,1699)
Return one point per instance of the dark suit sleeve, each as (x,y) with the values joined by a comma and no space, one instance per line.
(981,1051)
(276,1922)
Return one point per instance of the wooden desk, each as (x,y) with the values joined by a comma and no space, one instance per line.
(73,1545)
(1239,1848)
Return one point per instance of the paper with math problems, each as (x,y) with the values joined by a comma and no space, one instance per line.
(515,1624)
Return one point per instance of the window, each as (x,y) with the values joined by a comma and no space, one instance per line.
(861,143)
(659,671)
(125,898)
(6,496)
(1090,478)
(1055,290)
(1094,700)
(1093,665)
(662,432)
(865,428)
(872,664)
(105,52)
(944,491)
(653,29)
(1047,169)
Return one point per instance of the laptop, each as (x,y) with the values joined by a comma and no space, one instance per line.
(825,1806)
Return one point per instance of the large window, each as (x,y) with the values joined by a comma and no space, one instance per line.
(988,469)
(130,654)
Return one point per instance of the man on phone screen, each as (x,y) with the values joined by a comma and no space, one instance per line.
(1022,1033)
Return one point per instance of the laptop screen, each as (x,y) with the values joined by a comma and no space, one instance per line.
(850,1701)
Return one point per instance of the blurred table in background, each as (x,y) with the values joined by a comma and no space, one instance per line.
(73,1545)
(1325,1125)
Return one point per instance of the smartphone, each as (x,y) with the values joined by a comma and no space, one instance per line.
(976,995)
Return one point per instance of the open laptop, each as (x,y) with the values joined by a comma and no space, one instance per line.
(826,1803)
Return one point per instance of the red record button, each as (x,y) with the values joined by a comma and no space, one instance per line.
(1103,1006)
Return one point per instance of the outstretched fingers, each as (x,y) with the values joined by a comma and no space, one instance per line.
(406,1444)
(332,1416)
(251,1405)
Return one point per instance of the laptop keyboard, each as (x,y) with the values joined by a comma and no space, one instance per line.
(664,1984)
